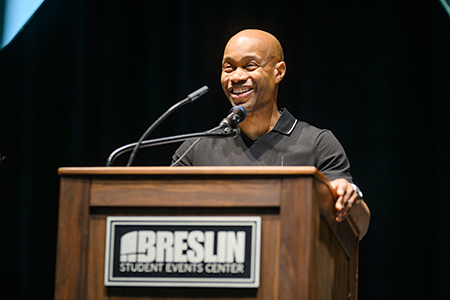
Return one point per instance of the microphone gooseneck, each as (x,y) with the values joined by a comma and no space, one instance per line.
(171,139)
(189,99)
(226,129)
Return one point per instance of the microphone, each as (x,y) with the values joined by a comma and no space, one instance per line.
(235,116)
(189,99)
(197,94)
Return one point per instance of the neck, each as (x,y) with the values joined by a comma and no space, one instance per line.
(259,123)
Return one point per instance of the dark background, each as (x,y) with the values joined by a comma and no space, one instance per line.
(86,77)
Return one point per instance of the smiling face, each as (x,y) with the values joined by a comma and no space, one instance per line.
(252,67)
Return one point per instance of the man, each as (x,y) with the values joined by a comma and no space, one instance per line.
(252,67)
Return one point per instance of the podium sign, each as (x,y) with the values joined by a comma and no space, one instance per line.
(183,251)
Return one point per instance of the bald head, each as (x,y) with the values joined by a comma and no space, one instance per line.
(262,40)
(252,68)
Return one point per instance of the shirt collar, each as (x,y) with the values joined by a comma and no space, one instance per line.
(286,123)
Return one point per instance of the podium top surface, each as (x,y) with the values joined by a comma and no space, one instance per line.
(92,171)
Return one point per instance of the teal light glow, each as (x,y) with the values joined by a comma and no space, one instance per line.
(17,13)
(446,4)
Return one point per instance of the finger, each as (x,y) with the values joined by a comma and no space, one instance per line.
(349,204)
(345,209)
(349,194)
(342,189)
(339,205)
(338,185)
(344,197)
(341,215)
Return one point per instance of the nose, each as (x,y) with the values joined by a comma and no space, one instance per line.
(239,75)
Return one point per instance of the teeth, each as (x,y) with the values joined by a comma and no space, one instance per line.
(241,90)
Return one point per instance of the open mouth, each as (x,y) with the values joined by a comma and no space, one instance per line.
(240,91)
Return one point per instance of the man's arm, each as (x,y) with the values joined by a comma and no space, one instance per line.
(349,203)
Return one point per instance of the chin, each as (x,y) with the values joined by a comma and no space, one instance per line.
(240,102)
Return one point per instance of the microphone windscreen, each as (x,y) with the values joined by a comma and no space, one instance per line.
(240,112)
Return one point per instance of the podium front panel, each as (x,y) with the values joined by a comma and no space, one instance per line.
(305,254)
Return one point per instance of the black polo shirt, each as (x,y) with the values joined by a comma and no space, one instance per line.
(289,143)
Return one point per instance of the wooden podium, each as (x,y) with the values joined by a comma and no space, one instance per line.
(305,254)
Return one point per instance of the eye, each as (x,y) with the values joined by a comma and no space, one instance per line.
(227,68)
(251,66)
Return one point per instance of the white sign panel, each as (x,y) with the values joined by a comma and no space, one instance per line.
(183,251)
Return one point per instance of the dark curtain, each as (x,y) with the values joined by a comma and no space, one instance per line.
(86,77)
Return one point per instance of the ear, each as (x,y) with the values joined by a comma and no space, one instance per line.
(280,71)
